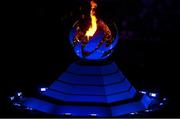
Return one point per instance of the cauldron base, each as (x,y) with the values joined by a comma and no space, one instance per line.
(89,90)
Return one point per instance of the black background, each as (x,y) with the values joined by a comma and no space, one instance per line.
(35,49)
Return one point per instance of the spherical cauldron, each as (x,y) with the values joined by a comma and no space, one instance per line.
(98,47)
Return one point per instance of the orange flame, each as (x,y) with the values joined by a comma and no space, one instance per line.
(92,29)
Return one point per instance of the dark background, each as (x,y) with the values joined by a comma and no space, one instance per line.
(35,49)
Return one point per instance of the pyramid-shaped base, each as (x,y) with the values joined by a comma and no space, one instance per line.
(85,90)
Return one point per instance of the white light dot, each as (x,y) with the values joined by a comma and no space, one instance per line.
(164,99)
(19,93)
(132,113)
(93,114)
(142,92)
(43,89)
(161,104)
(153,94)
(12,98)
(67,114)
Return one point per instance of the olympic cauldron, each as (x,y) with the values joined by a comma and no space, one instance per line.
(91,89)
(97,47)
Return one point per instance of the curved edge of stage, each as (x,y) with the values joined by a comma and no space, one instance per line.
(85,111)
(86,89)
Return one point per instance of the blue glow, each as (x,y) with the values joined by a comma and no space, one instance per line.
(84,110)
(54,95)
(146,101)
(50,108)
(98,84)
(93,70)
(129,107)
(114,43)
(90,98)
(71,35)
(91,84)
(99,111)
(92,75)
(94,41)
(96,55)
(78,50)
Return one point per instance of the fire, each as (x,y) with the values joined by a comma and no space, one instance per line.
(92,29)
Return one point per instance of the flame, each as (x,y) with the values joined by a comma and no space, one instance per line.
(92,29)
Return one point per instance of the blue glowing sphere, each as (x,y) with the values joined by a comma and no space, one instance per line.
(98,47)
